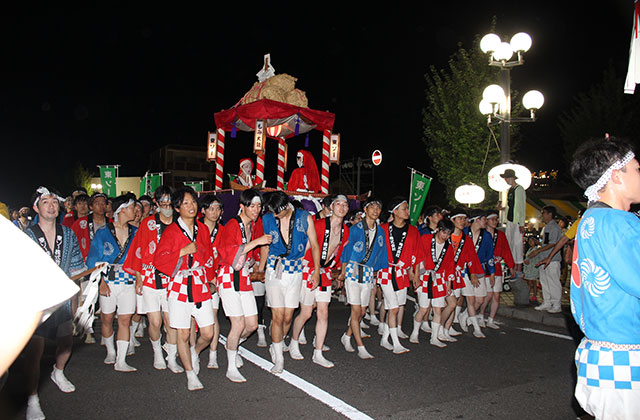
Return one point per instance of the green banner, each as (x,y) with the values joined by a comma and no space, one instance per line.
(196,185)
(149,183)
(108,177)
(419,188)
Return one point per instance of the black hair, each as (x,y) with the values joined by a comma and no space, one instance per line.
(120,200)
(247,196)
(36,194)
(327,200)
(145,198)
(550,209)
(297,204)
(370,200)
(431,210)
(277,202)
(81,198)
(477,213)
(396,202)
(178,196)
(209,199)
(490,212)
(98,195)
(83,189)
(458,210)
(160,191)
(594,157)
(446,224)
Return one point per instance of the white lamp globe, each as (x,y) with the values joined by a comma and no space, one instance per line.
(485,107)
(497,183)
(469,194)
(521,42)
(533,99)
(503,52)
(489,43)
(494,94)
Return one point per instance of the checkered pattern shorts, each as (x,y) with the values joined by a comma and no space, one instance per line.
(288,266)
(120,277)
(179,286)
(604,367)
(384,275)
(352,273)
(149,276)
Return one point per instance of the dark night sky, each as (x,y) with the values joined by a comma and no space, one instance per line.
(106,86)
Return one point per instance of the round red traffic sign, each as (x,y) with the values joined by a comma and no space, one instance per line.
(376,157)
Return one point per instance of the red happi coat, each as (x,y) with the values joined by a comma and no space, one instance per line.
(84,232)
(168,261)
(445,273)
(144,247)
(501,252)
(321,226)
(466,258)
(229,249)
(410,257)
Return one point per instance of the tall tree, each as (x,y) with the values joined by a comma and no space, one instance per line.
(455,132)
(82,177)
(604,108)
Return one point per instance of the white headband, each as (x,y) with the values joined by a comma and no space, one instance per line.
(340,197)
(398,205)
(122,206)
(45,191)
(473,219)
(592,191)
(458,215)
(492,215)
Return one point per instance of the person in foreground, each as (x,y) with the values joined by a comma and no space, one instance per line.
(605,280)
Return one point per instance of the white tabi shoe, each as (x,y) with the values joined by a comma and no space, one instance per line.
(239,361)
(233,374)
(367,316)
(262,340)
(195,361)
(414,334)
(324,346)
(132,335)
(453,332)
(477,332)
(301,338)
(492,324)
(443,336)
(111,350)
(481,321)
(397,347)
(213,360)
(384,341)
(464,319)
(58,378)
(319,359)
(373,320)
(193,383)
(277,357)
(543,307)
(363,353)
(172,362)
(363,325)
(381,328)
(435,329)
(121,357)
(158,360)
(294,350)
(346,342)
(425,327)
(34,412)
(89,339)
(401,334)
(364,334)
(140,330)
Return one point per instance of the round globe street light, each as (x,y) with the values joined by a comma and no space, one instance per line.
(469,194)
(497,183)
(499,100)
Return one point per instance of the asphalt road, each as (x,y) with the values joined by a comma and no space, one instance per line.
(511,374)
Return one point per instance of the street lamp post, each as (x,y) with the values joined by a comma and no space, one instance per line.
(496,99)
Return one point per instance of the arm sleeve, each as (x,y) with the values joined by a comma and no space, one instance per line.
(95,251)
(167,256)
(77,262)
(520,210)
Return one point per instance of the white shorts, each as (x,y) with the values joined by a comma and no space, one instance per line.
(308,296)
(284,292)
(456,292)
(497,285)
(153,300)
(215,301)
(392,298)
(424,301)
(470,290)
(238,303)
(180,314)
(358,293)
(122,297)
(258,288)
(516,244)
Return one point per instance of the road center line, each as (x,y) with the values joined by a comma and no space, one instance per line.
(308,388)
(566,337)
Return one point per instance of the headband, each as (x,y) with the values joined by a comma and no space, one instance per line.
(340,197)
(592,191)
(372,202)
(492,215)
(474,218)
(398,205)
(122,206)
(42,191)
(281,208)
(458,215)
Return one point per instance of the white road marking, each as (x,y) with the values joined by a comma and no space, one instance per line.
(566,337)
(308,388)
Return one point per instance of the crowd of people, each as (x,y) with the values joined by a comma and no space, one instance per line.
(170,259)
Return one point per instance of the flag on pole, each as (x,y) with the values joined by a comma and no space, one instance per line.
(108,179)
(420,184)
(196,185)
(149,183)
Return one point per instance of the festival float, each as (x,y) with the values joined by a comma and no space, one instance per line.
(276,112)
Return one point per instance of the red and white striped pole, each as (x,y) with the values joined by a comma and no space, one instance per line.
(259,169)
(220,159)
(324,179)
(280,176)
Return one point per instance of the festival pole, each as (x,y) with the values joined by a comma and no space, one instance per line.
(281,153)
(259,168)
(220,159)
(326,145)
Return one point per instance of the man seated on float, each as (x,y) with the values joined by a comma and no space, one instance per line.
(290,230)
